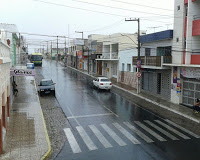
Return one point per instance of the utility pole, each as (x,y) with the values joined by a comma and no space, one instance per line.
(51,50)
(138,57)
(57,48)
(19,48)
(47,47)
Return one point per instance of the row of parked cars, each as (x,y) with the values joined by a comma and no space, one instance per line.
(47,86)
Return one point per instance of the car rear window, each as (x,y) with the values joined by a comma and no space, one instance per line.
(46,83)
(104,80)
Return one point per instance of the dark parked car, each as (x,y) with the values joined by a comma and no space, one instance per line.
(46,86)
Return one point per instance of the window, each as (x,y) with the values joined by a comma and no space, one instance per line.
(177,39)
(147,51)
(185,43)
(134,69)
(164,51)
(186,11)
(122,66)
(128,67)
(178,7)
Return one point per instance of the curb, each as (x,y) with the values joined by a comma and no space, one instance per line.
(48,153)
(158,104)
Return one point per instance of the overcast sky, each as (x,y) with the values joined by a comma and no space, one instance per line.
(53,17)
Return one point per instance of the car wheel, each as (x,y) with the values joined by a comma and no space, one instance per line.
(41,93)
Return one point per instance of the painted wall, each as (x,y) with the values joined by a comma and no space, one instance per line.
(179,23)
(154,45)
(125,56)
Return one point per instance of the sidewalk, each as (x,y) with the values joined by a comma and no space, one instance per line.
(151,102)
(26,137)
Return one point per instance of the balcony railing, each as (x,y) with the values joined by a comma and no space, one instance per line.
(155,61)
(114,55)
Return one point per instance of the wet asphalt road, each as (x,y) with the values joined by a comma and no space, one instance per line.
(99,124)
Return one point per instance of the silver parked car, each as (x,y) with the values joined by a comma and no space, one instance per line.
(46,86)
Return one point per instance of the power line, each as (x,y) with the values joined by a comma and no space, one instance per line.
(35,34)
(62,5)
(136,4)
(119,8)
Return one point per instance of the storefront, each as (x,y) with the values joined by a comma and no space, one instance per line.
(191,85)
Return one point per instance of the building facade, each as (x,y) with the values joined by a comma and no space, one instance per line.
(155,52)
(5,63)
(186,52)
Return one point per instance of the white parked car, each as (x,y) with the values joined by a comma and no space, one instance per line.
(102,83)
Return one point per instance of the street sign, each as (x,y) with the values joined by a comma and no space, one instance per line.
(22,72)
(139,74)
(139,63)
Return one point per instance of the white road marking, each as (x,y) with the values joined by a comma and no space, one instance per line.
(126,133)
(138,132)
(159,104)
(150,131)
(110,111)
(185,130)
(100,137)
(91,115)
(161,130)
(72,141)
(172,129)
(113,135)
(86,138)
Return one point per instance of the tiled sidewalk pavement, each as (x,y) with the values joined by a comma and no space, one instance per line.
(26,137)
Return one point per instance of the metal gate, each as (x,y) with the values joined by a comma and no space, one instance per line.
(191,91)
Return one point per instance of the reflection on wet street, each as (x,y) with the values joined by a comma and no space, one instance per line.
(104,125)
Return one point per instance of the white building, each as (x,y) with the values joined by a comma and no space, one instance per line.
(155,52)
(186,52)
(5,63)
(114,53)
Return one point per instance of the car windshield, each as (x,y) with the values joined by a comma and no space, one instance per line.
(36,57)
(104,80)
(46,83)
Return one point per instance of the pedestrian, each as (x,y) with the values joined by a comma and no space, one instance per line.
(15,88)
(196,106)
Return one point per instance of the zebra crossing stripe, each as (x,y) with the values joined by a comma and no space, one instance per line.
(150,131)
(172,129)
(72,141)
(100,137)
(183,129)
(86,138)
(113,135)
(126,133)
(161,130)
(138,132)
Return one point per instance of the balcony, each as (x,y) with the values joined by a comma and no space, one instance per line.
(196,25)
(153,61)
(108,56)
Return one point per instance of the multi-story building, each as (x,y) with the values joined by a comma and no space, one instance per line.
(77,54)
(113,54)
(155,52)
(10,31)
(5,63)
(185,87)
(95,44)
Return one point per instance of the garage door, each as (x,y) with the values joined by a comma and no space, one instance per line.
(191,91)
